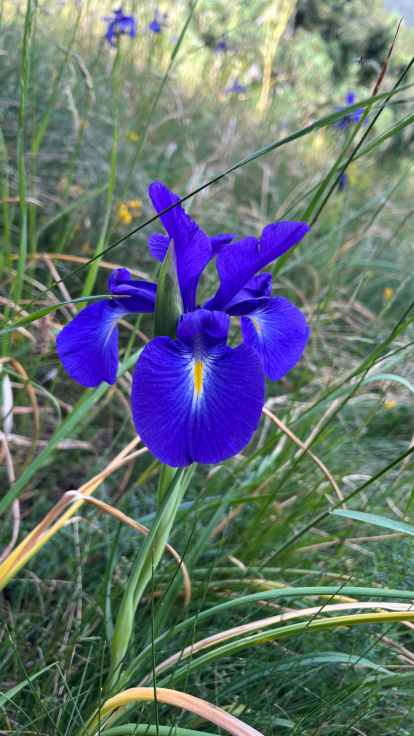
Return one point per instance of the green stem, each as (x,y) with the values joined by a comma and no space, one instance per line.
(93,270)
(24,80)
(142,570)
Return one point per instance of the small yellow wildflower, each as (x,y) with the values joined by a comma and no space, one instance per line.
(390,404)
(123,214)
(387,293)
(84,123)
(133,136)
(135,204)
(85,247)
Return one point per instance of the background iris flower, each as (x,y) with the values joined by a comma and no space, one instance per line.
(158,22)
(354,116)
(119,24)
(236,88)
(196,399)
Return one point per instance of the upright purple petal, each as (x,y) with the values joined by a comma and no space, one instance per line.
(236,265)
(196,399)
(192,246)
(278,238)
(277,330)
(88,346)
(158,245)
(218,242)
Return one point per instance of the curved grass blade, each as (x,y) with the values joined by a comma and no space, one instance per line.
(81,409)
(383,521)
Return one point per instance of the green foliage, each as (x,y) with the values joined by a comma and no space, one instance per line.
(82,135)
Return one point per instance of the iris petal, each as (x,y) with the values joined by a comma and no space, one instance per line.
(218,242)
(139,296)
(278,238)
(215,324)
(88,346)
(278,331)
(192,246)
(259,286)
(236,266)
(196,399)
(158,244)
(240,261)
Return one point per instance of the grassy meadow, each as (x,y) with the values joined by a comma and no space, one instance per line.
(294,557)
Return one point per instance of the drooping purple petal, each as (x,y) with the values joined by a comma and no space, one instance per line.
(278,238)
(236,265)
(277,330)
(88,346)
(215,324)
(192,246)
(196,399)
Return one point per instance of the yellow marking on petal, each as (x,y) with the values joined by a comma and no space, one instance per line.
(198,376)
(256,324)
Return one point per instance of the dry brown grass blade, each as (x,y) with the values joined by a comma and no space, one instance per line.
(199,707)
(16,200)
(75,495)
(384,68)
(303,446)
(62,288)
(324,419)
(30,391)
(253,625)
(238,508)
(15,509)
(82,259)
(39,536)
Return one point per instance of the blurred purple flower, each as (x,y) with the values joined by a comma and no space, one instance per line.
(355,116)
(343,182)
(119,24)
(236,88)
(223,45)
(159,22)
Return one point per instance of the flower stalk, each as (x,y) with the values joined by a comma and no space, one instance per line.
(147,559)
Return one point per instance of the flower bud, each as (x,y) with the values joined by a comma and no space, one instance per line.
(169,304)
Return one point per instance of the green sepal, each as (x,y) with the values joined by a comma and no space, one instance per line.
(168,304)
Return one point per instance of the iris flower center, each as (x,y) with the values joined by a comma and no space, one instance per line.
(198,377)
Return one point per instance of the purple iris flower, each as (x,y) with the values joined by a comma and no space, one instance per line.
(196,399)
(354,116)
(158,22)
(120,24)
(236,88)
(343,182)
